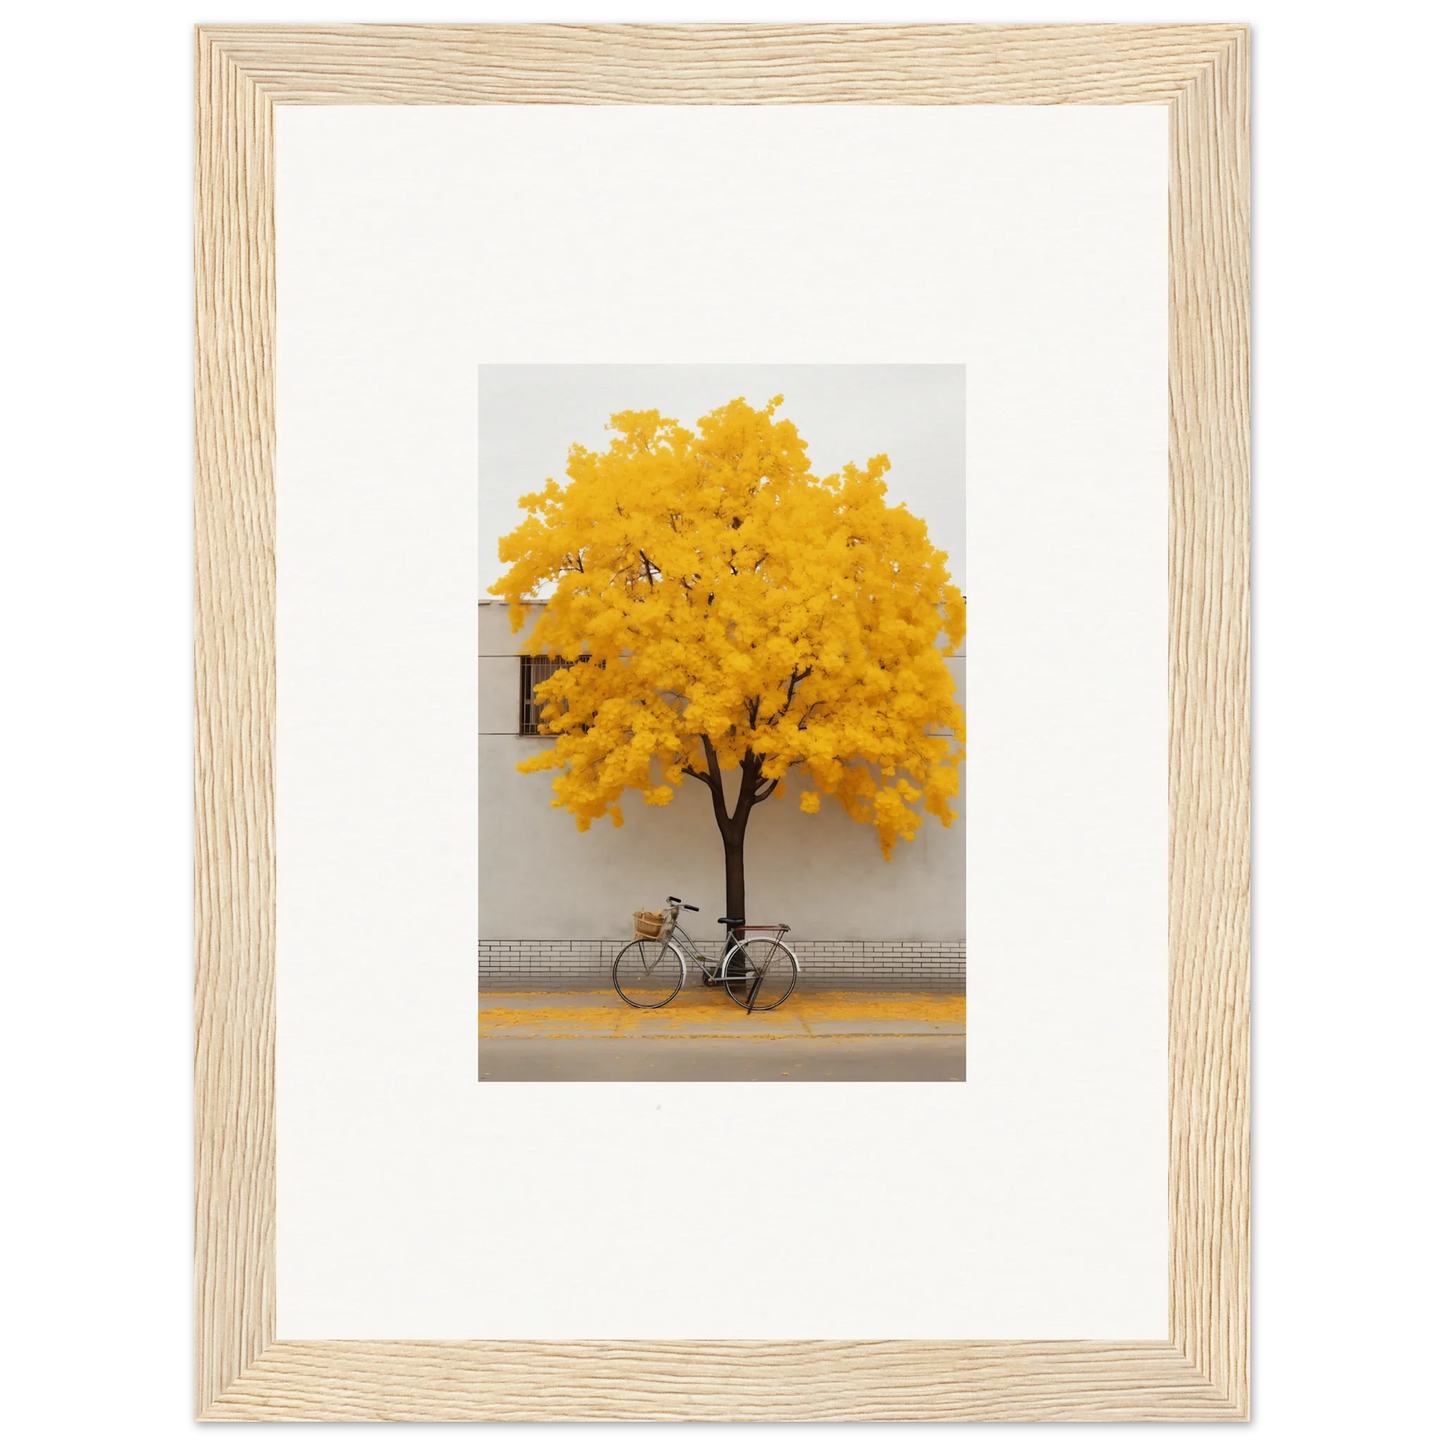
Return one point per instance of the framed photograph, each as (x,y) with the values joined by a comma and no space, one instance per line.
(762,621)
(601,433)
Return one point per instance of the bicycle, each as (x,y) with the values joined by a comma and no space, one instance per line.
(758,974)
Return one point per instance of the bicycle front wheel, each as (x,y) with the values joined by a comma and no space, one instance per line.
(647,972)
(760,974)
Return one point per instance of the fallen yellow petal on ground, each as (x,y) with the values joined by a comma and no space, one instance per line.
(700,1014)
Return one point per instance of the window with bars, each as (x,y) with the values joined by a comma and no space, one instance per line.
(535,670)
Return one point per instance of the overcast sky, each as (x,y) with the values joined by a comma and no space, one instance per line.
(531,415)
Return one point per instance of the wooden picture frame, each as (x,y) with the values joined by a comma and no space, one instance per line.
(1201,1371)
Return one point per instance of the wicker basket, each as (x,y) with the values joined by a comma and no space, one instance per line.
(648,925)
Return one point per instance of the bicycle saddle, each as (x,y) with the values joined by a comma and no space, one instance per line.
(728,922)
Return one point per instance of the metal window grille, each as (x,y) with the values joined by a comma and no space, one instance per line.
(535,670)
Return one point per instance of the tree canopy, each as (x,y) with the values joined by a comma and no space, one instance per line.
(724,608)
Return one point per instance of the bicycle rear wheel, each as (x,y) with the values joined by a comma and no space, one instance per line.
(647,972)
(760,974)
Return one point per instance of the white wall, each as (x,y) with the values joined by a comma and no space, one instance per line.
(823,874)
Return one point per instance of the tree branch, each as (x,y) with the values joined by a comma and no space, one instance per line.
(710,753)
(793,682)
(747,789)
(714,781)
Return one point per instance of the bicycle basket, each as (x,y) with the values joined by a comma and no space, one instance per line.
(649,925)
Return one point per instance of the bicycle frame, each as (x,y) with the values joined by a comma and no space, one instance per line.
(712,969)
(692,952)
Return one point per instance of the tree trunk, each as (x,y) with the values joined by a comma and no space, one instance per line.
(733,827)
(737,905)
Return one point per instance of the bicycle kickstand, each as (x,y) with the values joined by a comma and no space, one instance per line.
(753,991)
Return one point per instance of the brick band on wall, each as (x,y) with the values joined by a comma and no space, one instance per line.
(521,965)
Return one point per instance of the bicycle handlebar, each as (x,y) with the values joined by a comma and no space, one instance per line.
(691,907)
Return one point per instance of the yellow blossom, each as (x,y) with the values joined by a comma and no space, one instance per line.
(724,608)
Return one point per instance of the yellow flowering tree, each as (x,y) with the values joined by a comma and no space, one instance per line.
(724,610)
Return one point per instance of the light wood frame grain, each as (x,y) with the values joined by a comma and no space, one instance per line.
(1202,1370)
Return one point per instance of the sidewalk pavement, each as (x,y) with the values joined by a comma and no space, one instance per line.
(711,1014)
